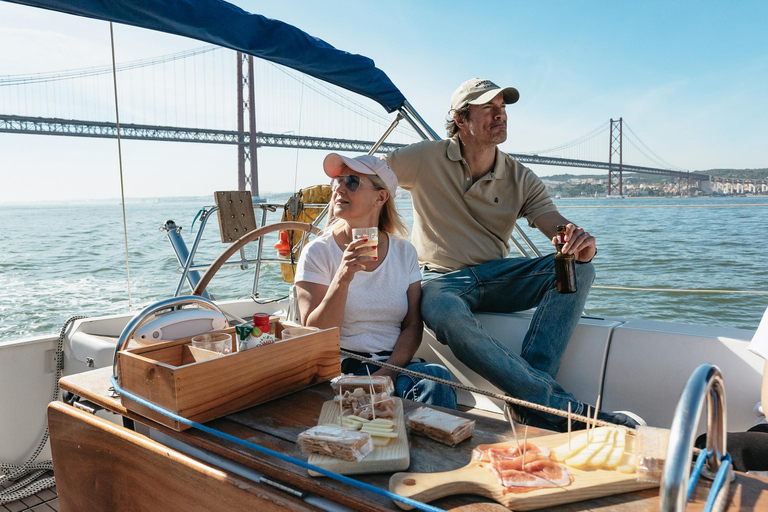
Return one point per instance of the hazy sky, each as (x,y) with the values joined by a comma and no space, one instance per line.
(689,77)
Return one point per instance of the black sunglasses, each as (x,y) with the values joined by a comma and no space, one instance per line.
(351,181)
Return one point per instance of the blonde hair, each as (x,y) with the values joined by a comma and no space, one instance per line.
(390,220)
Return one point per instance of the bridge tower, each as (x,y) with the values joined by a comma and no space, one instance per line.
(246,105)
(615,148)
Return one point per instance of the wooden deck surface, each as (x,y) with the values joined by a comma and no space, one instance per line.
(276,424)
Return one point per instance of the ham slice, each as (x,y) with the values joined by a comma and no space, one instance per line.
(506,464)
(495,452)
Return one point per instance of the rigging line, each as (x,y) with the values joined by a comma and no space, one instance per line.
(505,398)
(120,161)
(677,290)
(296,169)
(377,118)
(649,149)
(667,206)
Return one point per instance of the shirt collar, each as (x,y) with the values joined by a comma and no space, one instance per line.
(454,153)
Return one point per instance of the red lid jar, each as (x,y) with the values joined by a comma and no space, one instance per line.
(261,320)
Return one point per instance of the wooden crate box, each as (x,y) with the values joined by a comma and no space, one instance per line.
(200,385)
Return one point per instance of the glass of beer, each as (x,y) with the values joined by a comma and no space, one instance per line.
(371,236)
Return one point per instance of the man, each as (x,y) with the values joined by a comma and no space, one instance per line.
(467,196)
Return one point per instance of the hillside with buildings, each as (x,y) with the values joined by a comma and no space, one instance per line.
(646,185)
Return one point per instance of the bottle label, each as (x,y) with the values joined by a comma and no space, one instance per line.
(259,340)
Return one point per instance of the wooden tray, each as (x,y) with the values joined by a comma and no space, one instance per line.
(200,385)
(475,478)
(395,456)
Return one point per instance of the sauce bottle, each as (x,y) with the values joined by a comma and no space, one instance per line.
(565,265)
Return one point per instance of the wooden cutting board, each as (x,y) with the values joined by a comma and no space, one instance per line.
(395,456)
(477,478)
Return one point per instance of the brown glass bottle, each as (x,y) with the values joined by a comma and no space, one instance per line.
(565,265)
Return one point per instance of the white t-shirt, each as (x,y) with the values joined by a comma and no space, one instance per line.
(759,344)
(376,301)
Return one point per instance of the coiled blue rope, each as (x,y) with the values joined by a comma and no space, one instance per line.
(227,437)
(717,484)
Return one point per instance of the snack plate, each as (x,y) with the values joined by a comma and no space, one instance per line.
(476,478)
(395,456)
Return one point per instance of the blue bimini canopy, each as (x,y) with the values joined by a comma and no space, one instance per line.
(223,24)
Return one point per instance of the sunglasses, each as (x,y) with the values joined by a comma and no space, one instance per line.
(351,181)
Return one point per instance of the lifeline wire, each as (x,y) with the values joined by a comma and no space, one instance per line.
(508,399)
(266,451)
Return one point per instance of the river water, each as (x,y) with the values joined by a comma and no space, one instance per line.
(64,259)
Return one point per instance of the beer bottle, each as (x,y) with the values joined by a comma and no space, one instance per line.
(565,265)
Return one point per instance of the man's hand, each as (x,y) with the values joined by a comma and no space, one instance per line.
(579,243)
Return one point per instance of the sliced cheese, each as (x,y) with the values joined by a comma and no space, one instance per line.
(382,421)
(380,441)
(601,455)
(618,450)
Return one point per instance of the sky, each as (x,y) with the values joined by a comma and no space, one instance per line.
(689,77)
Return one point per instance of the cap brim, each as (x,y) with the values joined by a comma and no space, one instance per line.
(510,94)
(334,163)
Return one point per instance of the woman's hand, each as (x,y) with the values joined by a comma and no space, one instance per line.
(353,261)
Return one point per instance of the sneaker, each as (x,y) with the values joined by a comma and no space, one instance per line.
(625,418)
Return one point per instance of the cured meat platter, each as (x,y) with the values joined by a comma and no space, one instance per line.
(477,478)
(393,457)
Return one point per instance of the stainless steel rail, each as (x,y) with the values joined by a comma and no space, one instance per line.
(187,257)
(705,381)
(172,303)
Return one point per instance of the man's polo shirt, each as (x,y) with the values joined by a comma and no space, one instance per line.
(457,223)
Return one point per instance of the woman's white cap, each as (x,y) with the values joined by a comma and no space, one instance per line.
(333,165)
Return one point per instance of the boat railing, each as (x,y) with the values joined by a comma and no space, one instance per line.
(191,271)
(705,382)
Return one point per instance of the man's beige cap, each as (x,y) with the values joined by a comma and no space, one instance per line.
(478,91)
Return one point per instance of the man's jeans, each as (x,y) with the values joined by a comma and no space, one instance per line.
(421,390)
(505,286)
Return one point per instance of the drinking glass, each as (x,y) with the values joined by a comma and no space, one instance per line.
(292,332)
(371,235)
(214,341)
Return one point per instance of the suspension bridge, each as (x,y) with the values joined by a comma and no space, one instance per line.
(208,95)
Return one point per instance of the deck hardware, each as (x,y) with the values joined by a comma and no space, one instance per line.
(705,382)
(89,362)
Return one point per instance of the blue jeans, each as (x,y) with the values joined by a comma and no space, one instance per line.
(504,286)
(421,390)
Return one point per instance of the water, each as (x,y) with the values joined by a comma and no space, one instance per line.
(59,260)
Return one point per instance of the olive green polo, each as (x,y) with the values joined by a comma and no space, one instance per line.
(458,223)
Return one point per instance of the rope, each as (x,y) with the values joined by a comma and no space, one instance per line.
(31,485)
(120,160)
(677,290)
(281,456)
(505,398)
(662,206)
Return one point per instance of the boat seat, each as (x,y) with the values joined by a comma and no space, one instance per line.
(580,372)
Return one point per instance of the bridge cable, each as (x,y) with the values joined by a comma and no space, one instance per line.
(649,149)
(120,161)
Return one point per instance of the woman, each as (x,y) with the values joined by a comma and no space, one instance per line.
(374,301)
(749,450)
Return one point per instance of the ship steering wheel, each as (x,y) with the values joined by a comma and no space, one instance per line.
(246,239)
